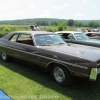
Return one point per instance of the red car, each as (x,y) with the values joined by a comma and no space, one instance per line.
(93,35)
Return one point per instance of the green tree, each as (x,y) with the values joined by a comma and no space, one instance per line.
(94,24)
(80,24)
(53,23)
(61,26)
(6,30)
(70,22)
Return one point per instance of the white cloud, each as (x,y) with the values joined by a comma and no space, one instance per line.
(65,5)
(60,7)
(32,6)
(85,0)
(20,12)
(94,6)
(55,7)
(13,15)
(79,15)
(7,16)
(19,9)
(44,13)
(18,5)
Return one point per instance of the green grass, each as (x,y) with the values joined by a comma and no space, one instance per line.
(22,82)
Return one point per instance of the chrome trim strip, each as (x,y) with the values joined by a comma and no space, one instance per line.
(98,64)
(50,58)
(60,64)
(32,60)
(80,74)
(63,62)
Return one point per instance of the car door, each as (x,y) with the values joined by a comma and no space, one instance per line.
(77,41)
(79,38)
(24,48)
(7,44)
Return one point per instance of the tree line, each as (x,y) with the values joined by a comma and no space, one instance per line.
(53,22)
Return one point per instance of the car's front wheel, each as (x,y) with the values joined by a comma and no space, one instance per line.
(4,56)
(61,75)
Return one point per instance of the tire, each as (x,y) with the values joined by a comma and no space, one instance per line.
(61,75)
(4,57)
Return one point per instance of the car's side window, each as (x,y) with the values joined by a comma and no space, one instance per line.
(25,39)
(13,38)
(63,35)
(66,35)
(89,34)
(71,36)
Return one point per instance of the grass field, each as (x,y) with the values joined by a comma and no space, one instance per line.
(22,82)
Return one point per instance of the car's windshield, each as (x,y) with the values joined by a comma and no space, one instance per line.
(80,36)
(47,39)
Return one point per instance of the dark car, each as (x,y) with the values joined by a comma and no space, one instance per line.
(46,49)
(93,35)
(78,38)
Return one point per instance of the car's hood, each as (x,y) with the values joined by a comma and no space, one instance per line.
(89,53)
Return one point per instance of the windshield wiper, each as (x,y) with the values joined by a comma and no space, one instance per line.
(46,45)
(61,43)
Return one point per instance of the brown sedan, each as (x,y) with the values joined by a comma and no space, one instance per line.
(49,51)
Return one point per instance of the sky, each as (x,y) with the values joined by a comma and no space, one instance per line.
(61,9)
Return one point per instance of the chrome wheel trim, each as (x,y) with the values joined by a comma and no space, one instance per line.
(59,74)
(4,56)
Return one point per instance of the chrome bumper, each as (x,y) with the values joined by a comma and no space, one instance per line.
(98,71)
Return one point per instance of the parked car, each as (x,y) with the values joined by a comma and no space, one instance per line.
(78,30)
(78,38)
(46,49)
(93,35)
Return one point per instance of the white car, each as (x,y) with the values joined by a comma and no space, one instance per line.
(78,38)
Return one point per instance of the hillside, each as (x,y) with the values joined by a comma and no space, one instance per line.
(40,21)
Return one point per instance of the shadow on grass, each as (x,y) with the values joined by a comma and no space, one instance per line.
(81,90)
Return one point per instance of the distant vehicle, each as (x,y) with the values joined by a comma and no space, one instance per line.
(78,30)
(93,35)
(46,49)
(78,38)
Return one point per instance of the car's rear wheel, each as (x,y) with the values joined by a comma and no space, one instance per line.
(61,75)
(4,56)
